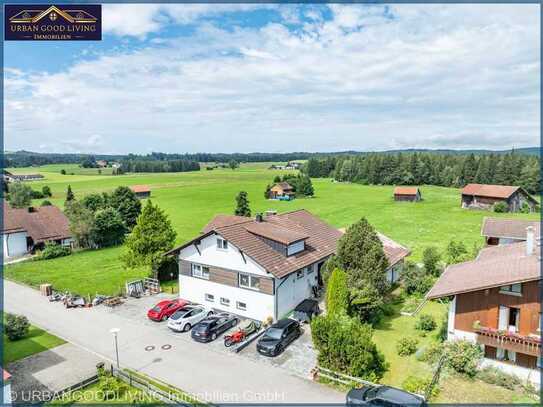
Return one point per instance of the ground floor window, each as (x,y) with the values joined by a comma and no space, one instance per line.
(241,306)
(210,297)
(225,301)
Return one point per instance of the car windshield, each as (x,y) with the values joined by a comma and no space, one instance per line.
(203,326)
(179,314)
(156,308)
(274,333)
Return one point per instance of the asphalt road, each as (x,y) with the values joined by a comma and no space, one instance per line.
(218,377)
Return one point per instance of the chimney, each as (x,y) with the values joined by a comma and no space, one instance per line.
(529,240)
(259,217)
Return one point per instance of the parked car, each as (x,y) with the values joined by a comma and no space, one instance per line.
(185,318)
(383,396)
(278,336)
(209,328)
(306,310)
(164,309)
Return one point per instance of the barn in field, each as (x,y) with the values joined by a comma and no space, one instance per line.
(484,196)
(282,189)
(141,191)
(411,194)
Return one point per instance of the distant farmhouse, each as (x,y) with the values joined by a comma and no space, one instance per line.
(497,231)
(282,190)
(141,191)
(27,229)
(411,194)
(101,163)
(482,196)
(9,177)
(291,165)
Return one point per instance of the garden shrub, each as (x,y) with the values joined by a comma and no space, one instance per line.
(411,304)
(426,323)
(441,334)
(463,357)
(46,203)
(16,327)
(337,293)
(406,346)
(37,194)
(419,385)
(53,250)
(431,259)
(431,353)
(525,208)
(110,387)
(498,377)
(416,280)
(500,207)
(345,345)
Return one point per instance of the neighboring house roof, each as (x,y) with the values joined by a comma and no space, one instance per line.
(406,191)
(490,191)
(40,223)
(284,185)
(508,228)
(495,266)
(6,375)
(394,251)
(140,188)
(320,243)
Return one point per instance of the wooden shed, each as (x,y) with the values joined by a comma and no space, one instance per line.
(411,194)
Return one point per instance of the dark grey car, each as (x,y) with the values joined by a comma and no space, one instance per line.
(383,396)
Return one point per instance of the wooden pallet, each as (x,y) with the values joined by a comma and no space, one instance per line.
(111,302)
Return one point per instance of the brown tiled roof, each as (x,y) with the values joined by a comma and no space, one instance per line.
(394,251)
(508,228)
(140,188)
(495,266)
(406,191)
(272,231)
(224,220)
(44,223)
(285,186)
(321,241)
(490,191)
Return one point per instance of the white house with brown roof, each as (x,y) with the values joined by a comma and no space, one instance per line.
(257,268)
(496,303)
(26,229)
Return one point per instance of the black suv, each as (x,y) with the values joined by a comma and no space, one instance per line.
(208,329)
(278,336)
(383,396)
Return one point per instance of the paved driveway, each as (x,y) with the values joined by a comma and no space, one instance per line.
(37,377)
(211,375)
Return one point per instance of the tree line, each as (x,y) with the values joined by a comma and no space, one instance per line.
(418,168)
(159,166)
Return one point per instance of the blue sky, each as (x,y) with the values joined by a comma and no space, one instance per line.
(247,77)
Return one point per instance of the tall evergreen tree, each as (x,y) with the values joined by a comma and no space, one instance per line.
(69,194)
(242,205)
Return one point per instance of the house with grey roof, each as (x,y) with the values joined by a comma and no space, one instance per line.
(496,303)
(262,267)
(500,231)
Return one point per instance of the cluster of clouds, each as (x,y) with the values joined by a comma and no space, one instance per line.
(319,78)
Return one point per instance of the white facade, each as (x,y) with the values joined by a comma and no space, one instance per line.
(289,291)
(14,244)
(7,393)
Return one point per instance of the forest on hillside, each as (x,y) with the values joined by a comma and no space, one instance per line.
(431,169)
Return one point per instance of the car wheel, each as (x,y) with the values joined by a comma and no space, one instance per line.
(186,328)
(213,336)
(210,313)
(234,322)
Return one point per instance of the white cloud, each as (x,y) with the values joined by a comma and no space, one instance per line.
(371,78)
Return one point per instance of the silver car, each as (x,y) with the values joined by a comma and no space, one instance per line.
(188,316)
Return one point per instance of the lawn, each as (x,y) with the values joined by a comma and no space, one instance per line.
(191,199)
(453,388)
(36,341)
(92,395)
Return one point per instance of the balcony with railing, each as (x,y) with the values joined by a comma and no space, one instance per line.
(529,345)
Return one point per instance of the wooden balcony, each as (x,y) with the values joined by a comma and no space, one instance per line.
(511,341)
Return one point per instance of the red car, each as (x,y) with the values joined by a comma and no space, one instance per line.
(164,309)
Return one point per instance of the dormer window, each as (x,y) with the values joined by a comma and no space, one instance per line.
(222,244)
(295,247)
(512,289)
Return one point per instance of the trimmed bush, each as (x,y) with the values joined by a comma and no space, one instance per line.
(419,385)
(53,250)
(337,293)
(426,323)
(406,346)
(431,354)
(463,357)
(110,387)
(16,327)
(500,207)
(46,203)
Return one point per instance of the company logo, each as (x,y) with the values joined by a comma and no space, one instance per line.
(39,22)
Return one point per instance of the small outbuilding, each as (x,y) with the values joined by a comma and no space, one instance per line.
(141,191)
(484,196)
(411,194)
(282,189)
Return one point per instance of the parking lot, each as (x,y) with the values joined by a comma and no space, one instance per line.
(297,359)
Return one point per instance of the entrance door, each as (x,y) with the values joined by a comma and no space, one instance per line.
(503,318)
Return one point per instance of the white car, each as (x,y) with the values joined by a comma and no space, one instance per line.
(188,316)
